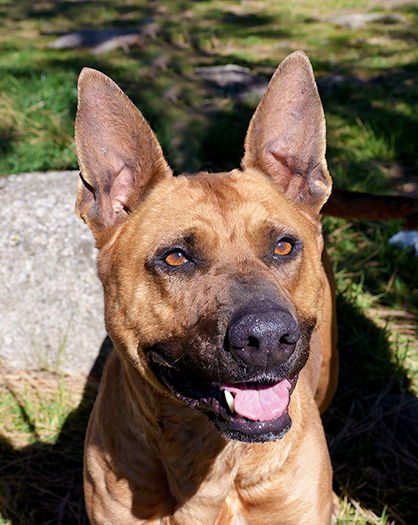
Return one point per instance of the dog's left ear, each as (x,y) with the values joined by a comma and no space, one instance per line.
(286,136)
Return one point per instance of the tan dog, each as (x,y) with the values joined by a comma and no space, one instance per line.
(214,297)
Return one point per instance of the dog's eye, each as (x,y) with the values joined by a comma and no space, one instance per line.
(283,247)
(176,258)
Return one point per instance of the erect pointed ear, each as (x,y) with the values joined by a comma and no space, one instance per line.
(286,136)
(119,156)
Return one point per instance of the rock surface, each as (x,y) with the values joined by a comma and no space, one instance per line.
(51,302)
(357,20)
(233,81)
(100,41)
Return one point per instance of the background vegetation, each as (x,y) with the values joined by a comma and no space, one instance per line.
(368,79)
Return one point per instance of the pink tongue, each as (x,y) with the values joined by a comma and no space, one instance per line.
(260,402)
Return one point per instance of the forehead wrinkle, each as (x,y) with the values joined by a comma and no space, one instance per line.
(238,209)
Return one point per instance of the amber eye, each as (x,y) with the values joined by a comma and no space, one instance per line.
(176,258)
(283,248)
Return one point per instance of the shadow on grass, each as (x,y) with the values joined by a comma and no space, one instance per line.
(372,423)
(42,483)
(371,427)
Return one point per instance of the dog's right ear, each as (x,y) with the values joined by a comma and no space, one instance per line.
(119,156)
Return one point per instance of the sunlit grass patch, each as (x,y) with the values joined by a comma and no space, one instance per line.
(353,513)
(35,405)
(36,123)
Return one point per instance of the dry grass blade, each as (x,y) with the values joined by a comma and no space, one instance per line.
(37,402)
(26,123)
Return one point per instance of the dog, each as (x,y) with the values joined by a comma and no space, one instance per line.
(219,300)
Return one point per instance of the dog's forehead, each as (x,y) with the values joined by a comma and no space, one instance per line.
(235,214)
(220,201)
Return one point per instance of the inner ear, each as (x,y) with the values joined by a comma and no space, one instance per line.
(286,136)
(119,156)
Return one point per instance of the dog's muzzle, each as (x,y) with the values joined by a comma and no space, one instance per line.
(254,409)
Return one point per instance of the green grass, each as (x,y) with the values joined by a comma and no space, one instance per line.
(43,423)
(371,106)
(368,122)
(34,407)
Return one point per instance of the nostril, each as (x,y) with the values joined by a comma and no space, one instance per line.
(289,339)
(253,342)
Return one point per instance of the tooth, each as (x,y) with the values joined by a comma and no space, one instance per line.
(230,400)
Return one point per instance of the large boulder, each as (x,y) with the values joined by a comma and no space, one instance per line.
(51,301)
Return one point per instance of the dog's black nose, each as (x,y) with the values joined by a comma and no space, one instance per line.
(263,338)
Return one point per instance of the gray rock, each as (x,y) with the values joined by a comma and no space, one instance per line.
(51,301)
(90,37)
(356,20)
(103,40)
(232,80)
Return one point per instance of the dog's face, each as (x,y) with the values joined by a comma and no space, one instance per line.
(213,282)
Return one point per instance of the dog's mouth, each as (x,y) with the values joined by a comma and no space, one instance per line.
(252,411)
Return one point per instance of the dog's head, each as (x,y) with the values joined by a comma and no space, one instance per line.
(213,282)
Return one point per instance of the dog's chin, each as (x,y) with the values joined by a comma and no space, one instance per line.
(210,399)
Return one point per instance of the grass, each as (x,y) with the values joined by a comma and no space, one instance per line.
(37,124)
(44,418)
(367,120)
(368,80)
(34,406)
